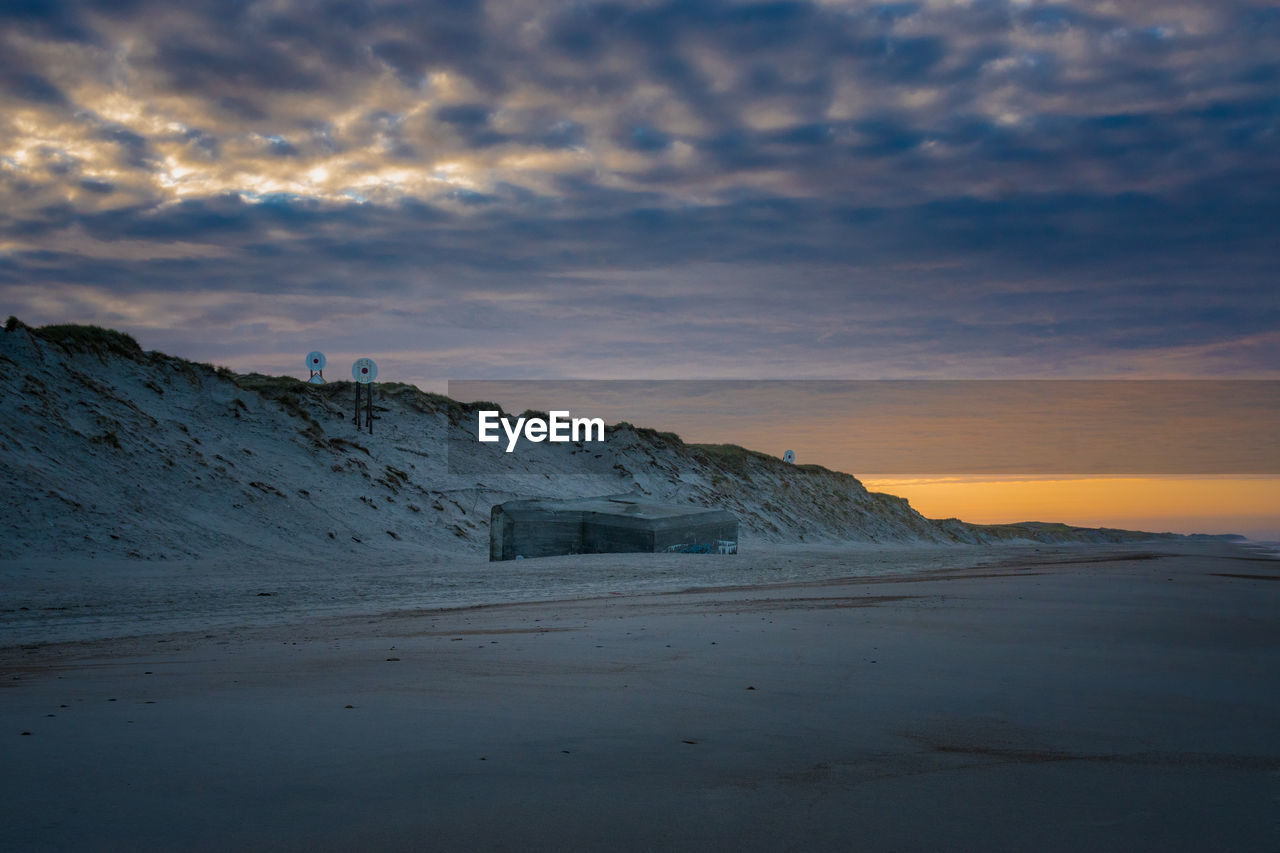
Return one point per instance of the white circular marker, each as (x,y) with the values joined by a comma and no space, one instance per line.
(789,456)
(315,360)
(364,371)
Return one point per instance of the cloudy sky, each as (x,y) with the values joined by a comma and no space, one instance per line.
(991,188)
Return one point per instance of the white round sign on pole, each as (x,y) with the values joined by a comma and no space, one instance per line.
(364,371)
(789,456)
(315,360)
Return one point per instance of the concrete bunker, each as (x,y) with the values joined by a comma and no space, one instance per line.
(610,524)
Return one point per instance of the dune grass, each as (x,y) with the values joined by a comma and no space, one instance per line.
(91,339)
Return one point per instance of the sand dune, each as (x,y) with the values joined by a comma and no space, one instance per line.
(107,451)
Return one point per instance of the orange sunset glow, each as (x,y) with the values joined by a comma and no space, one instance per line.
(1177,504)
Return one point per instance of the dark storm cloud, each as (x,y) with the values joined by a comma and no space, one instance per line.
(907,182)
(48,18)
(471,121)
(102,187)
(34,88)
(233,66)
(133,149)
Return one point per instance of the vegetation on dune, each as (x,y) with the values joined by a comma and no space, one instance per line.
(289,391)
(648,432)
(458,412)
(268,386)
(430,403)
(1056,531)
(91,339)
(729,456)
(732,457)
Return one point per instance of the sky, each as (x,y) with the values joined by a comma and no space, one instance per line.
(986,189)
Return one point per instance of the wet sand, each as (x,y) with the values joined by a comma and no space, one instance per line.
(1102,701)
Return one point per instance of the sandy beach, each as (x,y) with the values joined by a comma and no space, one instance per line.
(1081,699)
